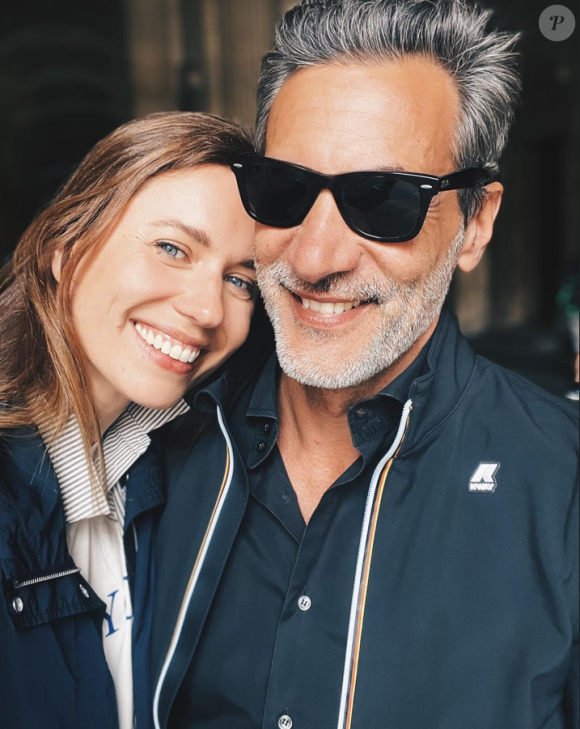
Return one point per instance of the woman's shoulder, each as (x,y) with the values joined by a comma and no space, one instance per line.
(21,450)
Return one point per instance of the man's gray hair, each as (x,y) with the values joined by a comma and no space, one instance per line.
(483,62)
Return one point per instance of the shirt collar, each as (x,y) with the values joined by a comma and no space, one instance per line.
(257,442)
(264,402)
(124,443)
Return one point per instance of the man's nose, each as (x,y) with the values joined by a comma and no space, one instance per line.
(202,299)
(323,245)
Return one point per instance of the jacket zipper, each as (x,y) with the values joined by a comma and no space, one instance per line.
(198,566)
(350,670)
(363,569)
(48,578)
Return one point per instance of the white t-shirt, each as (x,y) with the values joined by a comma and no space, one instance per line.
(95,528)
(96,545)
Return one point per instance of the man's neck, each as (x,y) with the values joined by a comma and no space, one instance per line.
(315,439)
(305,408)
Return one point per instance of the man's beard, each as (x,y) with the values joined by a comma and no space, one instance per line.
(407,311)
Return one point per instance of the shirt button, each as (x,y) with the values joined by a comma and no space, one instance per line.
(18,605)
(285,722)
(262,447)
(84,591)
(267,428)
(361,414)
(305,603)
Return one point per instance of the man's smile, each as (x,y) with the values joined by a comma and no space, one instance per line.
(323,312)
(330,307)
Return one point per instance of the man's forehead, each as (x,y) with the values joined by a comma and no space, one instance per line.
(387,115)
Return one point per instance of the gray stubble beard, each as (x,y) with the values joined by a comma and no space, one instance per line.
(408,310)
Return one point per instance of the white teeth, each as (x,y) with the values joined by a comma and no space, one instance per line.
(330,308)
(186,355)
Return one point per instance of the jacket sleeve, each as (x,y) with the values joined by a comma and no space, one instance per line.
(572,698)
(573,691)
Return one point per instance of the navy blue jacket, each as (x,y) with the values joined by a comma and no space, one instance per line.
(53,672)
(465,609)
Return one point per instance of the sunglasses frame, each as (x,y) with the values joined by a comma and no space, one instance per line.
(428,185)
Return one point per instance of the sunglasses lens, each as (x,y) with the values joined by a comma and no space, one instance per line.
(276,194)
(381,207)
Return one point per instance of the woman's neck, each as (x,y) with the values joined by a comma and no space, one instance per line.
(109,403)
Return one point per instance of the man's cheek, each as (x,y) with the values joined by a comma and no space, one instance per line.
(270,244)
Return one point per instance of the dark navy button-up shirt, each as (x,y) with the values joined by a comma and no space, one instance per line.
(281,613)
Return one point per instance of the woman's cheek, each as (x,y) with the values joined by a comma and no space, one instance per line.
(239,324)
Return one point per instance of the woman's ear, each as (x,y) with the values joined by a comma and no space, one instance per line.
(480,229)
(57,264)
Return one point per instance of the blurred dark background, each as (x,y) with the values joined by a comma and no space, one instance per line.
(72,71)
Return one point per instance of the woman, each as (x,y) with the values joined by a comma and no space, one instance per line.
(134,284)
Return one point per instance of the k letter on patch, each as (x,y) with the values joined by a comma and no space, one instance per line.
(484,478)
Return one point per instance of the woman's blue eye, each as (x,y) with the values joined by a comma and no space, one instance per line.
(171,250)
(245,286)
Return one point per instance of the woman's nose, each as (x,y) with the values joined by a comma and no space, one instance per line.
(203,301)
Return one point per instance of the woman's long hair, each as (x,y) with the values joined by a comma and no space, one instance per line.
(44,378)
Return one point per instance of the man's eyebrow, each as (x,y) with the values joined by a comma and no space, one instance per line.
(195,233)
(391,168)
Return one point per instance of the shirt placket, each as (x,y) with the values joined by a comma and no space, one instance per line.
(314,623)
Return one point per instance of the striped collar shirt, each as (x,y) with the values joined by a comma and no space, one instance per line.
(124,443)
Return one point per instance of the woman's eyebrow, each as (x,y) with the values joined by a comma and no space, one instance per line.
(195,233)
(249,264)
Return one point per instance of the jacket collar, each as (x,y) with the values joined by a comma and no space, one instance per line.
(451,365)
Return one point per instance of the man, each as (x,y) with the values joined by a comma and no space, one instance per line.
(378,528)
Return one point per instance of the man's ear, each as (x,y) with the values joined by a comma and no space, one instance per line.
(56,264)
(480,229)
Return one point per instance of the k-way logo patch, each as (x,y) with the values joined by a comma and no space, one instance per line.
(483,480)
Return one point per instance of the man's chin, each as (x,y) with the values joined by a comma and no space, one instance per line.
(324,366)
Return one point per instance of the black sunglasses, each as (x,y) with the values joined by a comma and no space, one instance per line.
(388,207)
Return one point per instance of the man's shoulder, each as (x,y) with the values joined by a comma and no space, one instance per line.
(525,390)
(513,402)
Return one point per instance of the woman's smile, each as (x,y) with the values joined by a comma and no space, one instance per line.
(161,347)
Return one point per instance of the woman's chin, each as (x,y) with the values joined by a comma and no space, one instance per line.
(157,403)
(154,396)
(160,391)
